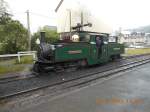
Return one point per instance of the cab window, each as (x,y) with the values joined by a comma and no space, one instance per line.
(85,38)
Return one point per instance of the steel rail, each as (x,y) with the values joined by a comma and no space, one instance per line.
(19,77)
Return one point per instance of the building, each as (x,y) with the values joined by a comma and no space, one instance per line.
(130,38)
(51,27)
(147,37)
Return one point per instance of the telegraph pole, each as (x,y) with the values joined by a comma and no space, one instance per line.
(70,22)
(29,32)
(69,10)
(81,20)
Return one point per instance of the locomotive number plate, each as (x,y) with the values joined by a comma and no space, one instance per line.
(75,52)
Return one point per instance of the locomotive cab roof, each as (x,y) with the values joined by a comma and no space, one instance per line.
(84,32)
(81,35)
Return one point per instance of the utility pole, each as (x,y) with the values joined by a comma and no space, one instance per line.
(29,32)
(70,22)
(82,21)
(69,10)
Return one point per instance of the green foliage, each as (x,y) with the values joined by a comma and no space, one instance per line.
(13,35)
(51,36)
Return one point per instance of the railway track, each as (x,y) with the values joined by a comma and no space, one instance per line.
(15,78)
(82,79)
(8,79)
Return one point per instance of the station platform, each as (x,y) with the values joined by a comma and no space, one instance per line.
(129,92)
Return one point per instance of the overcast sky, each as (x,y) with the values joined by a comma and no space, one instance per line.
(121,13)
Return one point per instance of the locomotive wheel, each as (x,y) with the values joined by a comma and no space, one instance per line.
(83,63)
(114,57)
(38,68)
(118,56)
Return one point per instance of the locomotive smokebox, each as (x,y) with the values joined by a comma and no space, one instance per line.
(42,37)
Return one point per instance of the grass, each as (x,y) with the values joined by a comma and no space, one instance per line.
(25,60)
(12,65)
(136,51)
(10,69)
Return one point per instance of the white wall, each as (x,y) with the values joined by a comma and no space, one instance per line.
(99,24)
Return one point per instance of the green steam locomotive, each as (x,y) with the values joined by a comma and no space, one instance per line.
(79,48)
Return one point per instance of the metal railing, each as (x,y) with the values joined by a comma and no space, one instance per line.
(19,54)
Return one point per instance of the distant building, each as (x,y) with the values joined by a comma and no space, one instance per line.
(147,36)
(131,38)
(51,27)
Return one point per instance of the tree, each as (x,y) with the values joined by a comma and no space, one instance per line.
(13,34)
(3,8)
(14,37)
(51,36)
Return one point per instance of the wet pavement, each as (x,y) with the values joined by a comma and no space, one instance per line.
(129,92)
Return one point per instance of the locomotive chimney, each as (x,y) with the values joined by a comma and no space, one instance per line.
(116,39)
(42,37)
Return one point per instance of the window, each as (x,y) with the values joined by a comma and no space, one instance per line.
(85,38)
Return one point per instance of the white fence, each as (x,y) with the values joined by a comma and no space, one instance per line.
(19,54)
